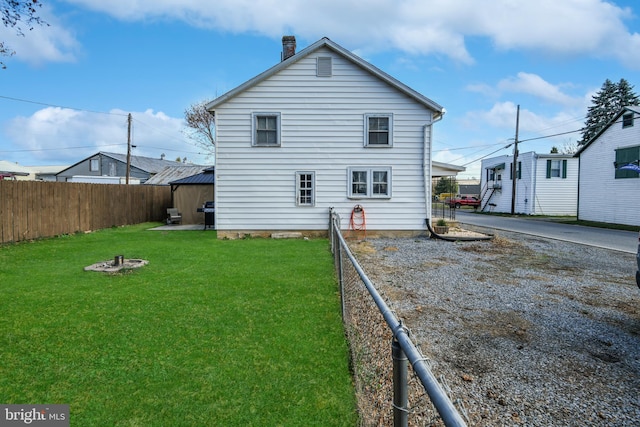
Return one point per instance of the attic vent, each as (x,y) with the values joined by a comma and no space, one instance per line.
(324,67)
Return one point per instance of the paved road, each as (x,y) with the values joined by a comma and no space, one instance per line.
(617,240)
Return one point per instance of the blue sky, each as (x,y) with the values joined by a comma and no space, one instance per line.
(68,89)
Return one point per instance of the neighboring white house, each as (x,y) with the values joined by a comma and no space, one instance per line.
(547,184)
(608,193)
(321,129)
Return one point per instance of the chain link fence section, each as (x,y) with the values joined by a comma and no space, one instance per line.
(370,332)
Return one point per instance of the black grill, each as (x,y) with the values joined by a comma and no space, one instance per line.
(209,209)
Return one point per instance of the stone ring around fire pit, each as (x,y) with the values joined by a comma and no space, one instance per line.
(118,263)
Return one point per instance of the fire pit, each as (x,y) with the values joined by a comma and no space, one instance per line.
(118,263)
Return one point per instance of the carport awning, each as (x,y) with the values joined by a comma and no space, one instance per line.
(498,166)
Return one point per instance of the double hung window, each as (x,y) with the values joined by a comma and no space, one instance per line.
(266,129)
(556,168)
(369,182)
(378,130)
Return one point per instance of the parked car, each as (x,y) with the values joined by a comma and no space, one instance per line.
(464,201)
(638,263)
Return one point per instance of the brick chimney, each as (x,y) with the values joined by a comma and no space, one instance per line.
(288,47)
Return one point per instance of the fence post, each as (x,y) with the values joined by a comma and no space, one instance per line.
(400,387)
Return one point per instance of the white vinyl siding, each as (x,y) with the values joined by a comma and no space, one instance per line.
(556,195)
(321,130)
(537,193)
(603,198)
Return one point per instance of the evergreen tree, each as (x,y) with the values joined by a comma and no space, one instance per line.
(606,103)
(626,96)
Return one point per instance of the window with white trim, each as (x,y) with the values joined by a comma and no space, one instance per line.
(305,188)
(627,120)
(369,182)
(266,129)
(556,167)
(378,130)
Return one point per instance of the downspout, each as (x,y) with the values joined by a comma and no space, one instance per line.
(215,168)
(427,136)
(426,171)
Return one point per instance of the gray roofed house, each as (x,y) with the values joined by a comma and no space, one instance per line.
(174,173)
(103,164)
(9,170)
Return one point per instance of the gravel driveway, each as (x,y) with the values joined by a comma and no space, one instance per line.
(523,330)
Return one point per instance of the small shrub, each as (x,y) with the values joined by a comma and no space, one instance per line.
(441,222)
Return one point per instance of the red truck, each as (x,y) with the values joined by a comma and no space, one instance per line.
(464,201)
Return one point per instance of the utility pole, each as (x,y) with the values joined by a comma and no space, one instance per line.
(128,147)
(514,167)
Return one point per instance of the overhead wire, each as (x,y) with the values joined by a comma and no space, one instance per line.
(46,104)
(60,106)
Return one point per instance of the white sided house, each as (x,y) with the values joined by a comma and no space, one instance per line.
(322,129)
(546,184)
(609,183)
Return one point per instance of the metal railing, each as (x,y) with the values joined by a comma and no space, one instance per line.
(443,210)
(360,298)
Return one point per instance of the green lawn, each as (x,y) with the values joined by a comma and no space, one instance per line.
(211,332)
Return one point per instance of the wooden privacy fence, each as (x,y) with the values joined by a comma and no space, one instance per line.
(35,209)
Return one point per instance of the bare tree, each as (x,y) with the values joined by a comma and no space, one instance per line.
(569,147)
(15,14)
(201,127)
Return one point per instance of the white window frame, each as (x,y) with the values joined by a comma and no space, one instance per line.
(254,129)
(368,116)
(558,163)
(627,120)
(94,165)
(299,189)
(369,173)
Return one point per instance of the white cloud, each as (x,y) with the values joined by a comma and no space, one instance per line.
(528,84)
(55,134)
(502,118)
(594,28)
(44,43)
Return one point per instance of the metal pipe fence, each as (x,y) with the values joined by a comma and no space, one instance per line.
(380,348)
(443,210)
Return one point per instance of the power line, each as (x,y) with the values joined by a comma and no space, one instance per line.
(487,155)
(60,106)
(465,148)
(551,136)
(59,148)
